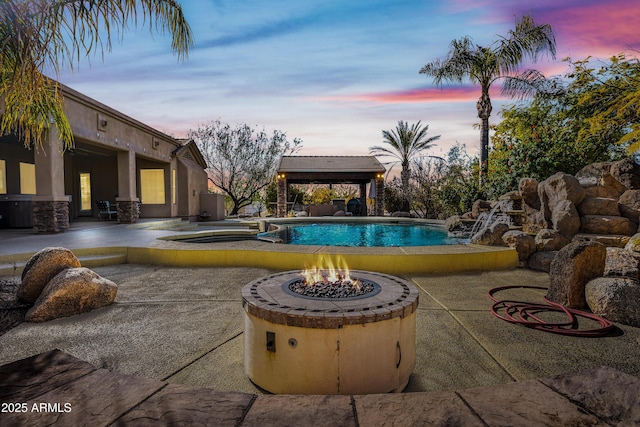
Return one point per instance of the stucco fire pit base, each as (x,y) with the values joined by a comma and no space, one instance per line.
(300,345)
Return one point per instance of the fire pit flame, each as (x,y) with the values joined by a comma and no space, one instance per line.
(329,273)
(330,281)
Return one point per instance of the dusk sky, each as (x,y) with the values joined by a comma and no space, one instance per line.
(334,73)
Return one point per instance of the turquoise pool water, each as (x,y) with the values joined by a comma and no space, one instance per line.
(367,235)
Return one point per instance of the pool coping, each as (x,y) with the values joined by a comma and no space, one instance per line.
(119,244)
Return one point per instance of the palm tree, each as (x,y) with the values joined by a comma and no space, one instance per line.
(405,144)
(41,36)
(501,60)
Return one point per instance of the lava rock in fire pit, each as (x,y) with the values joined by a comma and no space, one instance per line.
(334,290)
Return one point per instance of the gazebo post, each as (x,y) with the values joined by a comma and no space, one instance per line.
(363,199)
(281,206)
(379,205)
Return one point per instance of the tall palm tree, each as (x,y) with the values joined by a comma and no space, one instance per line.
(483,65)
(405,144)
(41,36)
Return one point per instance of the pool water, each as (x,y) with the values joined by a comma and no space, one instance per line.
(367,235)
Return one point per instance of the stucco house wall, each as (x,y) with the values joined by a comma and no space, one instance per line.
(112,148)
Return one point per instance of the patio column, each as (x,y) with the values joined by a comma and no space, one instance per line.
(363,199)
(127,202)
(281,204)
(379,205)
(50,205)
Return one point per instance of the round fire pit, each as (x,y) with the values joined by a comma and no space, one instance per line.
(329,341)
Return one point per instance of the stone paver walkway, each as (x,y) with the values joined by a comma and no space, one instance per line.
(54,388)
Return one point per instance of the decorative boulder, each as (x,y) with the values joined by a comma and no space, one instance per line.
(72,291)
(523,244)
(339,213)
(608,188)
(492,235)
(557,188)
(533,220)
(598,206)
(565,218)
(615,298)
(621,263)
(41,268)
(572,268)
(633,244)
(601,224)
(629,205)
(627,173)
(452,223)
(590,175)
(541,261)
(478,207)
(528,188)
(550,240)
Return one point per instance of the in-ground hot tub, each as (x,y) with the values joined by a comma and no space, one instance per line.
(340,344)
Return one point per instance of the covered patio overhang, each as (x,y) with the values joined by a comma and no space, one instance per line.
(360,170)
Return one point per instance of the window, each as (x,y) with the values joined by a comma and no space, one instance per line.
(152,186)
(174,186)
(85,191)
(3,177)
(27,178)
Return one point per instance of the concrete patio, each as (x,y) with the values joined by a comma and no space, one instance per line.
(171,349)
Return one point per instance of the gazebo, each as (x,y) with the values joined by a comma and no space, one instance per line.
(360,170)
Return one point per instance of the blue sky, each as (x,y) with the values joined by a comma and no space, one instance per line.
(334,73)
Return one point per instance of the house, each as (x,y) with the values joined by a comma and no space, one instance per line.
(144,173)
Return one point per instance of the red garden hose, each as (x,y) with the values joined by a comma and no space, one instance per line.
(526,314)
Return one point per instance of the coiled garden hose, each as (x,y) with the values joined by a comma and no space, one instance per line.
(528,314)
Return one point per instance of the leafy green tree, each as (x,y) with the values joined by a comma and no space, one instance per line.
(567,131)
(393,196)
(39,35)
(459,186)
(406,143)
(321,195)
(608,98)
(427,173)
(501,60)
(241,161)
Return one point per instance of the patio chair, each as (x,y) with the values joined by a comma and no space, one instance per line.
(105,209)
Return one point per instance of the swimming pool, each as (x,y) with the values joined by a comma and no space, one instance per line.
(361,234)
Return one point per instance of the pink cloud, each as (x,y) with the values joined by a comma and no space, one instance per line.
(598,29)
(446,94)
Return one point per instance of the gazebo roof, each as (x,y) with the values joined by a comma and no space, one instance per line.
(330,164)
(330,169)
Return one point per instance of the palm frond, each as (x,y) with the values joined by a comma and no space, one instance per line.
(527,42)
(41,35)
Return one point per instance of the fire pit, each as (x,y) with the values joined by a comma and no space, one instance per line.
(330,333)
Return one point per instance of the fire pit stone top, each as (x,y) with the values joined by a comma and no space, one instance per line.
(266,299)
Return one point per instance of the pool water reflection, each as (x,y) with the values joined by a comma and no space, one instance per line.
(362,234)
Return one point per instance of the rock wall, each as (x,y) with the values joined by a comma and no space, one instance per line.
(583,229)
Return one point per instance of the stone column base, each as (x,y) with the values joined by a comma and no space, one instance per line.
(281,206)
(379,201)
(50,216)
(128,211)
